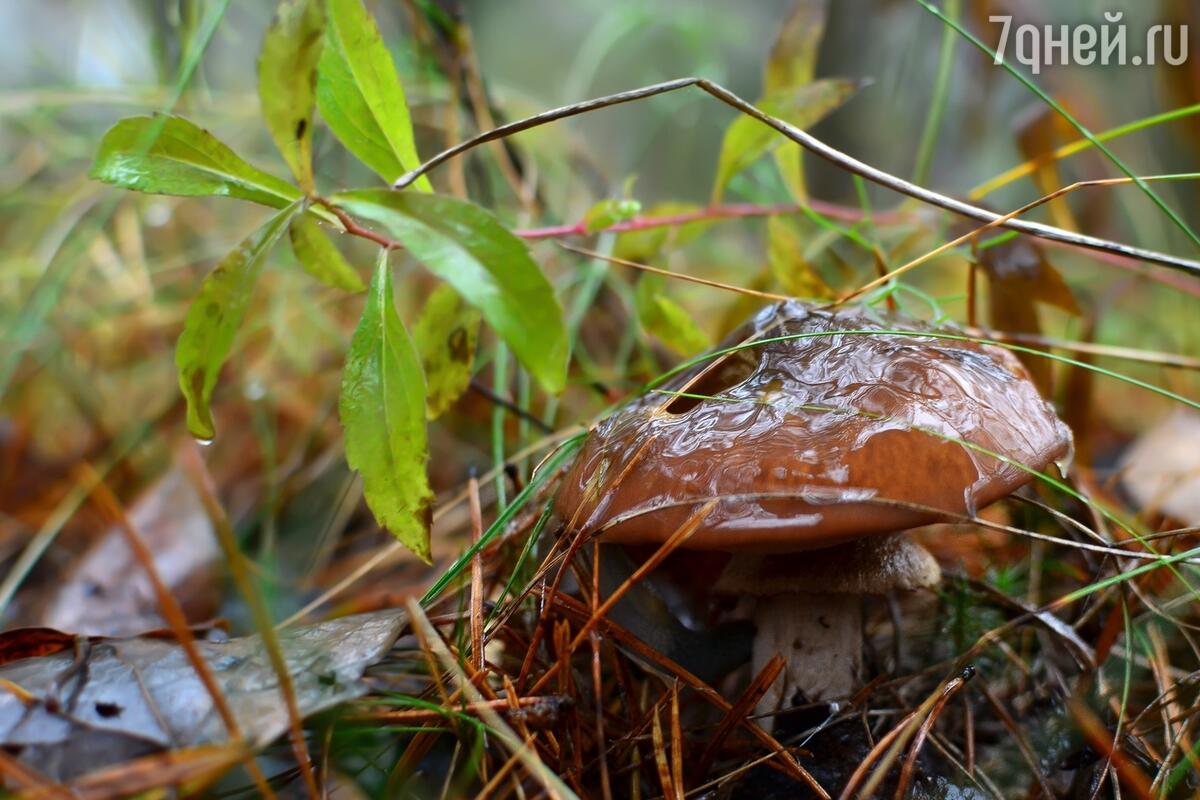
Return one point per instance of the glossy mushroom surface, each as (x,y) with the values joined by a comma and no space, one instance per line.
(829,429)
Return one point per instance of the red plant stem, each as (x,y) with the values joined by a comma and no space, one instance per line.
(734,211)
(354,229)
(749,210)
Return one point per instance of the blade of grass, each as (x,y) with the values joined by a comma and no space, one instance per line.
(550,467)
(813,145)
(1076,124)
(971,235)
(429,637)
(941,91)
(61,266)
(1078,146)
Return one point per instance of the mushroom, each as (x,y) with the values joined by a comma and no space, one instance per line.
(821,443)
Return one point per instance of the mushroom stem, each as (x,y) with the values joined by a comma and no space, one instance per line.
(819,636)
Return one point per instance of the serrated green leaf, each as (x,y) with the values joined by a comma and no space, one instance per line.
(666,319)
(360,94)
(791,261)
(287,81)
(170,155)
(320,258)
(490,267)
(445,335)
(214,317)
(610,212)
(747,139)
(382,407)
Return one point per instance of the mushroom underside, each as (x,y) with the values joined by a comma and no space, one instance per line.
(808,609)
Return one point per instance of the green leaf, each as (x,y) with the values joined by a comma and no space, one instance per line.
(666,319)
(790,256)
(213,320)
(287,79)
(360,95)
(747,139)
(609,212)
(170,155)
(382,407)
(490,267)
(320,258)
(445,335)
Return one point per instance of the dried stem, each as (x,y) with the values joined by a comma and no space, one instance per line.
(817,147)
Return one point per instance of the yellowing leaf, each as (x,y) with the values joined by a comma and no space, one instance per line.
(382,407)
(320,258)
(445,335)
(665,318)
(791,261)
(1019,277)
(490,267)
(287,79)
(170,155)
(793,58)
(213,319)
(747,139)
(792,63)
(360,94)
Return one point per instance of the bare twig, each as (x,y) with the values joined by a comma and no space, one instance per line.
(817,147)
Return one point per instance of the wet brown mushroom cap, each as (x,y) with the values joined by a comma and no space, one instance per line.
(796,476)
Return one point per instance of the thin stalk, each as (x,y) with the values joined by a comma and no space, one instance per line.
(941,91)
(817,147)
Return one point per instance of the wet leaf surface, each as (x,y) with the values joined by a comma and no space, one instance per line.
(170,155)
(214,317)
(382,407)
(104,702)
(490,267)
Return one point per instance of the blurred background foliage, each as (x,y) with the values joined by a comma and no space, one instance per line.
(95,281)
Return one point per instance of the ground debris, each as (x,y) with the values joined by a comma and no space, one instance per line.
(106,701)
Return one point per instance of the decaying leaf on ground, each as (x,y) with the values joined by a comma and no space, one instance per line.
(110,700)
(107,592)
